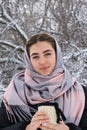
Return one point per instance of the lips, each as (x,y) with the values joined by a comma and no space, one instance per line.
(44,68)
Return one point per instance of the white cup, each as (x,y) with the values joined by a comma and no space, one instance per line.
(50,111)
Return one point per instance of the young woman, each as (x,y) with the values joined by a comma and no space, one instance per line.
(44,81)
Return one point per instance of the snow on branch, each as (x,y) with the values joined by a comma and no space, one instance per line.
(4,60)
(73,45)
(84,50)
(75,54)
(5,14)
(7,26)
(67,57)
(7,43)
(11,45)
(2,21)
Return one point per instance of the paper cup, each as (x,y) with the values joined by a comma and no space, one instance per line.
(50,111)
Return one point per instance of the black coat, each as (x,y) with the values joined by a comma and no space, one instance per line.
(22,125)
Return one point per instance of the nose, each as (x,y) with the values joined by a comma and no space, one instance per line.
(42,60)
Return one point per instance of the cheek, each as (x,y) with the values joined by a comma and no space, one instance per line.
(34,64)
(53,59)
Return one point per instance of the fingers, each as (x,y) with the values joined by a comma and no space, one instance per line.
(38,119)
(50,126)
(61,122)
(40,115)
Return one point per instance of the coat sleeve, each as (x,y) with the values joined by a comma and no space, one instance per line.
(73,127)
(17,126)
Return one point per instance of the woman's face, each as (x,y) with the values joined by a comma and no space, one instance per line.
(43,57)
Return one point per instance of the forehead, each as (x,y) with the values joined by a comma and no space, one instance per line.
(40,47)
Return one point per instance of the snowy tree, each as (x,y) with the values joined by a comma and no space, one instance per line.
(66,20)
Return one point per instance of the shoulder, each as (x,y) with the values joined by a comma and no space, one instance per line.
(83,122)
(85,91)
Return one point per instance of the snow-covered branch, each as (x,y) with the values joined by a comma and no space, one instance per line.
(3,60)
(7,43)
(6,15)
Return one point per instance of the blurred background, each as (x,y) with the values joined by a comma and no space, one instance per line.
(66,20)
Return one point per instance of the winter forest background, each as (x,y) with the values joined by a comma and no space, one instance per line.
(66,20)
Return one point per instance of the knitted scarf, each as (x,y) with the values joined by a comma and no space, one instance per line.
(28,87)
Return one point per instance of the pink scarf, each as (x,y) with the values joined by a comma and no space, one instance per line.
(29,87)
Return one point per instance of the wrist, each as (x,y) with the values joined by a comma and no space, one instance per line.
(28,127)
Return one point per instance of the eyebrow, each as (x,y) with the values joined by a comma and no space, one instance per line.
(33,54)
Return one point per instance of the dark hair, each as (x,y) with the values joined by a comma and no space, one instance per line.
(40,37)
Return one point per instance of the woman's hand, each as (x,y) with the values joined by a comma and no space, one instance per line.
(38,119)
(41,120)
(49,126)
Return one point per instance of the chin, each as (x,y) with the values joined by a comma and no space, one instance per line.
(46,74)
